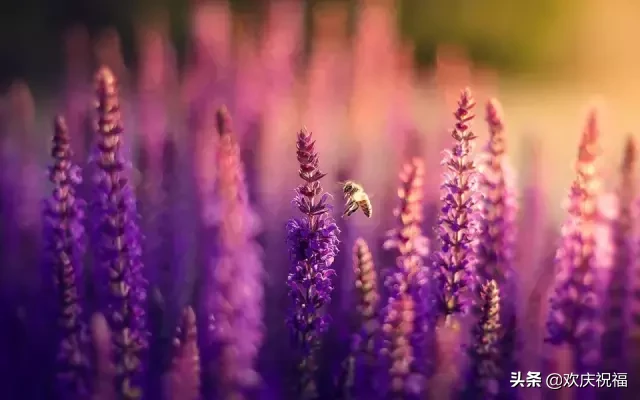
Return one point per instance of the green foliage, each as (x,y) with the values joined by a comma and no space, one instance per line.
(509,35)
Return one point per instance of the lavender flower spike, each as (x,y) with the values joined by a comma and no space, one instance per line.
(484,353)
(497,242)
(406,283)
(236,299)
(183,381)
(458,220)
(366,285)
(118,243)
(496,246)
(313,246)
(64,238)
(624,230)
(574,304)
(363,346)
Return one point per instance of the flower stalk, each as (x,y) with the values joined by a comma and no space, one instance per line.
(236,296)
(313,246)
(405,315)
(183,381)
(458,222)
(64,241)
(572,318)
(624,252)
(484,352)
(118,247)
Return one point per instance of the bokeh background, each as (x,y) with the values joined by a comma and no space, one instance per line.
(547,61)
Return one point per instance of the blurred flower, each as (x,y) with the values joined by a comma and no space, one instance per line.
(64,241)
(624,254)
(183,380)
(484,350)
(234,301)
(363,345)
(313,246)
(573,313)
(118,248)
(497,241)
(458,221)
(406,282)
(496,245)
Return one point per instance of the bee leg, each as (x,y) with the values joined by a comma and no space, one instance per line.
(352,208)
(347,209)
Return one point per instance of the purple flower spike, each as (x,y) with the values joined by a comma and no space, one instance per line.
(458,223)
(235,300)
(496,245)
(574,304)
(183,380)
(64,239)
(404,336)
(313,246)
(118,243)
(362,358)
(484,353)
(624,228)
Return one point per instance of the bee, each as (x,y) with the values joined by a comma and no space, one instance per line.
(356,198)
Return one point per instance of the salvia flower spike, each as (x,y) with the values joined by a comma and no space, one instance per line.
(484,353)
(183,381)
(573,312)
(497,241)
(236,299)
(458,222)
(406,282)
(118,247)
(313,245)
(624,230)
(64,240)
(363,347)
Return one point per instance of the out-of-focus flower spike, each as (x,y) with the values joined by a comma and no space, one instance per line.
(497,241)
(235,299)
(624,227)
(313,246)
(574,304)
(399,326)
(363,347)
(485,372)
(458,223)
(407,283)
(118,252)
(183,380)
(103,388)
(64,243)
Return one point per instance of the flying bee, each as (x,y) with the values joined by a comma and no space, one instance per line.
(356,198)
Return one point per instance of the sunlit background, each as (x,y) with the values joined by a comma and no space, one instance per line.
(547,61)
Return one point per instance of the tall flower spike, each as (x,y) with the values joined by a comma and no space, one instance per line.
(458,220)
(497,239)
(118,243)
(496,245)
(624,230)
(183,381)
(406,282)
(399,326)
(484,353)
(368,299)
(313,246)
(236,299)
(573,312)
(64,240)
